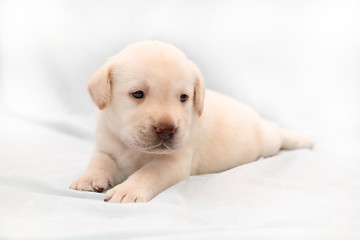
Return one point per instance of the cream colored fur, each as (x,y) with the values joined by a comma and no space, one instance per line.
(209,132)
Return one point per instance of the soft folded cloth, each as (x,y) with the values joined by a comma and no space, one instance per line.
(298,194)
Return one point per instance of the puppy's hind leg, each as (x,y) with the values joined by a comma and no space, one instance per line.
(292,140)
(273,138)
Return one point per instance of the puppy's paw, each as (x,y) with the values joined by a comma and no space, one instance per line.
(123,193)
(92,183)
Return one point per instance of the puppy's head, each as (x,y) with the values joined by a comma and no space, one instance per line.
(150,94)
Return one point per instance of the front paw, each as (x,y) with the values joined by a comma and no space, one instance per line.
(124,193)
(92,183)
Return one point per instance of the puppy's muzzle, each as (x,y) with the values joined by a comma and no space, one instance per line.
(164,131)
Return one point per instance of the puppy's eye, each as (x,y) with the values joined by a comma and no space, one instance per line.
(183,97)
(138,94)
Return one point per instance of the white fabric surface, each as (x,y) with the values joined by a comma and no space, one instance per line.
(295,62)
(295,195)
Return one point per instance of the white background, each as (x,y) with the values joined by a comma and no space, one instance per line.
(296,62)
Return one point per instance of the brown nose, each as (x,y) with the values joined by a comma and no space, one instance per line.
(165,131)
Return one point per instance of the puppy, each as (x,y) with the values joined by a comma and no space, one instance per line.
(158,125)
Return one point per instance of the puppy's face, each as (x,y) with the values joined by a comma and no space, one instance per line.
(150,93)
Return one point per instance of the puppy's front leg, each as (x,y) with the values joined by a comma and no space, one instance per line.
(151,179)
(101,174)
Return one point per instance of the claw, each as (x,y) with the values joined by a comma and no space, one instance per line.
(99,189)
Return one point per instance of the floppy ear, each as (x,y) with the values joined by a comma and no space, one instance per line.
(100,86)
(199,90)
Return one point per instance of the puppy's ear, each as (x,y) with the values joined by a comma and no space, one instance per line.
(199,90)
(100,86)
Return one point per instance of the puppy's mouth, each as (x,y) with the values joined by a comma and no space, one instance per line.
(159,148)
(151,143)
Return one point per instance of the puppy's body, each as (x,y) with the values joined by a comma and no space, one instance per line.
(230,135)
(158,126)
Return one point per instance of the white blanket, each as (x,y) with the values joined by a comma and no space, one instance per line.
(300,194)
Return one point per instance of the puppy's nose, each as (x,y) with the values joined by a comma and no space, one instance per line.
(165,131)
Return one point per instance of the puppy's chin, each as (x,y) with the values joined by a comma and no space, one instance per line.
(156,148)
(161,148)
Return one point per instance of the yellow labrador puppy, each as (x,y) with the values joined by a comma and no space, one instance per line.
(158,125)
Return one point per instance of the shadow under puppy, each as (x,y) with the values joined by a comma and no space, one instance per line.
(158,125)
